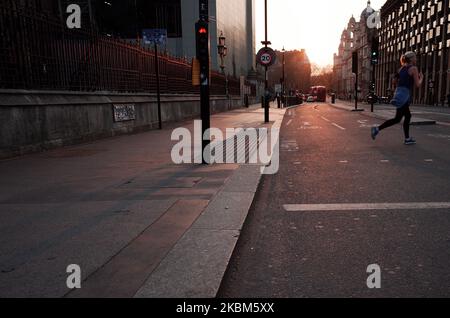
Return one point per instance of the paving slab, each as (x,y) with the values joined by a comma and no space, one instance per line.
(195,267)
(128,270)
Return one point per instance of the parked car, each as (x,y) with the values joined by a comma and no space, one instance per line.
(310,99)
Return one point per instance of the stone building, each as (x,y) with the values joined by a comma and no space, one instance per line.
(421,26)
(297,71)
(357,36)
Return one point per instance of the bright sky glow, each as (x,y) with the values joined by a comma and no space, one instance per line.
(314,25)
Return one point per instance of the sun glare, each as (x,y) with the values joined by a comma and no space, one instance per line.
(312,25)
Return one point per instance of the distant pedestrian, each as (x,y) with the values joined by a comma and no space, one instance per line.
(408,77)
(279,100)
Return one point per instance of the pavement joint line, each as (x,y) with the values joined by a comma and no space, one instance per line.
(365,206)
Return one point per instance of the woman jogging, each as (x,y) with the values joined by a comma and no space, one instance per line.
(407,78)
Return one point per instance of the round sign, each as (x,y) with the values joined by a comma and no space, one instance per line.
(266,57)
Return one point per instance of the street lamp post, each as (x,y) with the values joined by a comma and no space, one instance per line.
(283,98)
(223,52)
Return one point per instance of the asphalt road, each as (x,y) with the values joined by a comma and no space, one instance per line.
(328,157)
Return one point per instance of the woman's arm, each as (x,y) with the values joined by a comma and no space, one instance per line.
(418,77)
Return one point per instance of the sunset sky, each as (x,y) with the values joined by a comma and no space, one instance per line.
(315,25)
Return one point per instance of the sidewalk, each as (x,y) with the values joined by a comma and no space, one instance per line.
(421,115)
(136,224)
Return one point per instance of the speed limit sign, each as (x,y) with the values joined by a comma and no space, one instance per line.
(266,57)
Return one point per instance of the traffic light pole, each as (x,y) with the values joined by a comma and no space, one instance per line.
(202,33)
(374,60)
(355,69)
(372,88)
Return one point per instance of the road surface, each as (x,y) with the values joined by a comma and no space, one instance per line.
(342,202)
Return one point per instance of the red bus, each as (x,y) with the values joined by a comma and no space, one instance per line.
(319,93)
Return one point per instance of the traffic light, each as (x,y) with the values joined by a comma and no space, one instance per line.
(202,39)
(375,53)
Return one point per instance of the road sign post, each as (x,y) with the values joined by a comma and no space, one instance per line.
(266,60)
(266,57)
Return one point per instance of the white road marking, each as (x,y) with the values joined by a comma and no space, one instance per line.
(428,160)
(289,122)
(365,206)
(336,125)
(326,119)
(384,161)
(440,136)
(343,161)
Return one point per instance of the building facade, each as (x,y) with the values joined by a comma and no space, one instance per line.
(297,73)
(126,20)
(235,20)
(356,37)
(420,26)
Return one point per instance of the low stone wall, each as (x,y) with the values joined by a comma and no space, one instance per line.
(33,121)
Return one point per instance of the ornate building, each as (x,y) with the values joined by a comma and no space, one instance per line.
(421,26)
(356,37)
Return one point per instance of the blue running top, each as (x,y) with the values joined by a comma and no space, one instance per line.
(406,80)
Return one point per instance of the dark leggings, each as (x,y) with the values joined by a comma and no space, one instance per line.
(401,112)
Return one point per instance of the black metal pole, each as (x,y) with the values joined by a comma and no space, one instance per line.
(356,92)
(284,79)
(372,88)
(266,81)
(158,86)
(205,85)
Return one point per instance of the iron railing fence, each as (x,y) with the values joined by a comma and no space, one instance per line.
(37,51)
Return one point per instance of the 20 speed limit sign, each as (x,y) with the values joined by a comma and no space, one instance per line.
(266,57)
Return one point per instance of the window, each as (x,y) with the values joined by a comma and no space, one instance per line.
(128,18)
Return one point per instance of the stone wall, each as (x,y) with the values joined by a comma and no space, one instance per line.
(33,121)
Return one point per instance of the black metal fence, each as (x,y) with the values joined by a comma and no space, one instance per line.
(37,51)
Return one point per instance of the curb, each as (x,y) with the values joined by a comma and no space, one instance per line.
(196,265)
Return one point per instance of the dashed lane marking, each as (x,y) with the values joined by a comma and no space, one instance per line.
(365,206)
(336,125)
